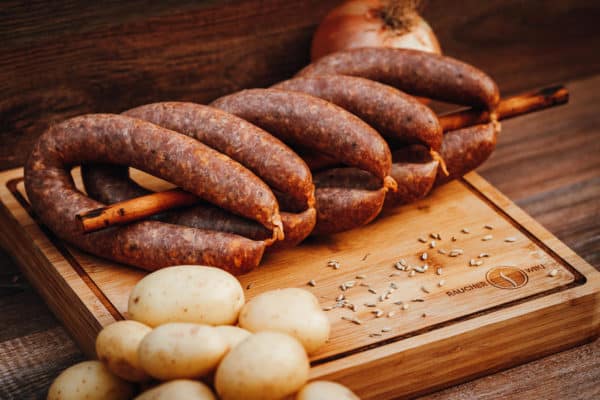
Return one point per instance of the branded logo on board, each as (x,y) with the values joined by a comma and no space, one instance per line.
(507,277)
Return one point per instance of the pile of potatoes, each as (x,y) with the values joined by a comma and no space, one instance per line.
(181,332)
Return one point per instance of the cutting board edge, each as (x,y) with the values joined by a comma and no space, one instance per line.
(583,298)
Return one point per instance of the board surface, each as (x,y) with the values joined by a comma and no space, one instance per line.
(511,293)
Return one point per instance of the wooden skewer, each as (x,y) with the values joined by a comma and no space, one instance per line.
(135,209)
(145,206)
(508,108)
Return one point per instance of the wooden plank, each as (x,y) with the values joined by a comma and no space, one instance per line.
(530,313)
(73,57)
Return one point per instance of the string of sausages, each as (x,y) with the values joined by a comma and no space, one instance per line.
(342,116)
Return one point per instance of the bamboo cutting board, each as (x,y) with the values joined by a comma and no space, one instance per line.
(511,292)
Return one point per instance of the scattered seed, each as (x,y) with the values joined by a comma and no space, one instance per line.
(333,264)
(399,266)
(343,287)
(399,302)
(432,244)
(395,274)
(422,269)
(390,314)
(386,329)
(487,237)
(372,290)
(424,256)
(553,273)
(352,307)
(441,283)
(312,283)
(340,297)
(350,284)
(370,305)
(364,284)
(361,276)
(354,320)
(465,230)
(418,300)
(479,263)
(456,252)
(482,255)
(249,286)
(439,271)
(472,262)
(442,251)
(412,273)
(424,315)
(423,288)
(374,334)
(405,306)
(510,239)
(382,298)
(365,256)
(393,285)
(378,313)
(328,308)
(453,238)
(488,226)
(422,240)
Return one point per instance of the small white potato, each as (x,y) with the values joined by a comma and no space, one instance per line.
(233,335)
(325,390)
(89,380)
(265,366)
(117,347)
(180,350)
(180,389)
(293,311)
(186,293)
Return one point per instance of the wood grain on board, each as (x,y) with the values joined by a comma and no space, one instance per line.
(511,291)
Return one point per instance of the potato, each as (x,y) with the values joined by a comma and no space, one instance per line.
(180,389)
(232,335)
(117,347)
(89,380)
(186,293)
(293,311)
(325,390)
(267,365)
(181,350)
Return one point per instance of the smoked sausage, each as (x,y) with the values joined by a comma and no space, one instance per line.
(198,169)
(414,72)
(395,115)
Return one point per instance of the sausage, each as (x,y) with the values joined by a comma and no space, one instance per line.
(198,169)
(260,152)
(300,119)
(395,115)
(111,184)
(415,72)
(415,171)
(466,149)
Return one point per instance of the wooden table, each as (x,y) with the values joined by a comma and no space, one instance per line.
(548,163)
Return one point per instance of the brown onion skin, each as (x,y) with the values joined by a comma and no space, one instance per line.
(358,23)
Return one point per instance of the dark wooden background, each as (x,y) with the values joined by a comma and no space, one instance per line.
(59,59)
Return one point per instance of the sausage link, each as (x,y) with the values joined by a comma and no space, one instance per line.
(111,184)
(415,172)
(466,149)
(262,153)
(123,140)
(395,115)
(300,119)
(415,72)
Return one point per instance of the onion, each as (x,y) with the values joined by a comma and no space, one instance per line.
(374,23)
